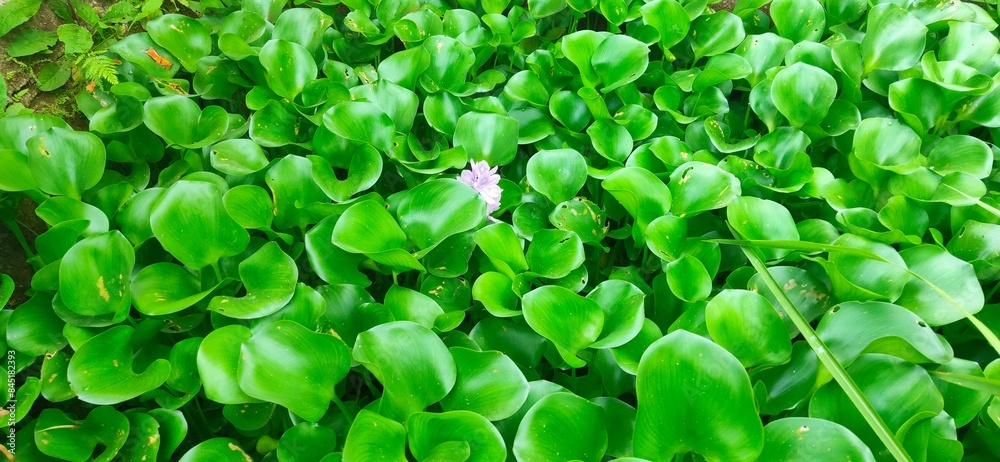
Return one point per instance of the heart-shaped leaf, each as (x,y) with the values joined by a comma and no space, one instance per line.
(287,364)
(191,223)
(684,383)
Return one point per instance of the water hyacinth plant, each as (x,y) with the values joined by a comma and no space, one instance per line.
(552,230)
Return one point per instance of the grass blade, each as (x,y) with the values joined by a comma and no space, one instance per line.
(970,381)
(823,353)
(813,247)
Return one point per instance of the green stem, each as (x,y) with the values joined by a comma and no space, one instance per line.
(829,361)
(343,409)
(19,236)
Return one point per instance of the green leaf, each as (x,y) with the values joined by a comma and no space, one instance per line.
(503,248)
(450,63)
(745,324)
(101,369)
(887,143)
(411,362)
(610,139)
(803,93)
(642,194)
(761,219)
(428,431)
(716,33)
(373,437)
(557,174)
(799,20)
(289,365)
(362,122)
(218,360)
(217,449)
(488,383)
(852,328)
(619,60)
(191,223)
(30,41)
(438,209)
(624,312)
(289,67)
(684,382)
(238,157)
(77,39)
(487,136)
(16,12)
(306,441)
(801,438)
(943,289)
(367,228)
(891,385)
(554,254)
(183,36)
(562,426)
(894,40)
(570,321)
(697,187)
(669,18)
(961,153)
(861,278)
(206,126)
(269,277)
(66,162)
(93,276)
(60,436)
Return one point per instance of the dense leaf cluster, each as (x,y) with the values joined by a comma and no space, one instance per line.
(722,235)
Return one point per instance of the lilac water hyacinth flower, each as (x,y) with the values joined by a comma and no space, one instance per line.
(485,181)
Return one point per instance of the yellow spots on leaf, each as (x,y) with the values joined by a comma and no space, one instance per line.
(102,290)
(115,362)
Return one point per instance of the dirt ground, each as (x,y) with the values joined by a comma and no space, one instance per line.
(13,261)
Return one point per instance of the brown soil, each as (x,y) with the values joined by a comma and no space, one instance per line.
(13,261)
(20,73)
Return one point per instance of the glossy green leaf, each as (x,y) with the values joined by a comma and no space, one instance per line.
(852,328)
(487,136)
(696,187)
(428,432)
(269,277)
(287,364)
(412,364)
(373,437)
(745,324)
(288,65)
(183,37)
(554,254)
(894,40)
(65,162)
(684,382)
(557,174)
(438,209)
(191,223)
(801,438)
(101,371)
(900,392)
(799,20)
(562,426)
(803,93)
(570,321)
(93,276)
(943,289)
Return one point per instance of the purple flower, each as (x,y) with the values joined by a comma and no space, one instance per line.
(485,181)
